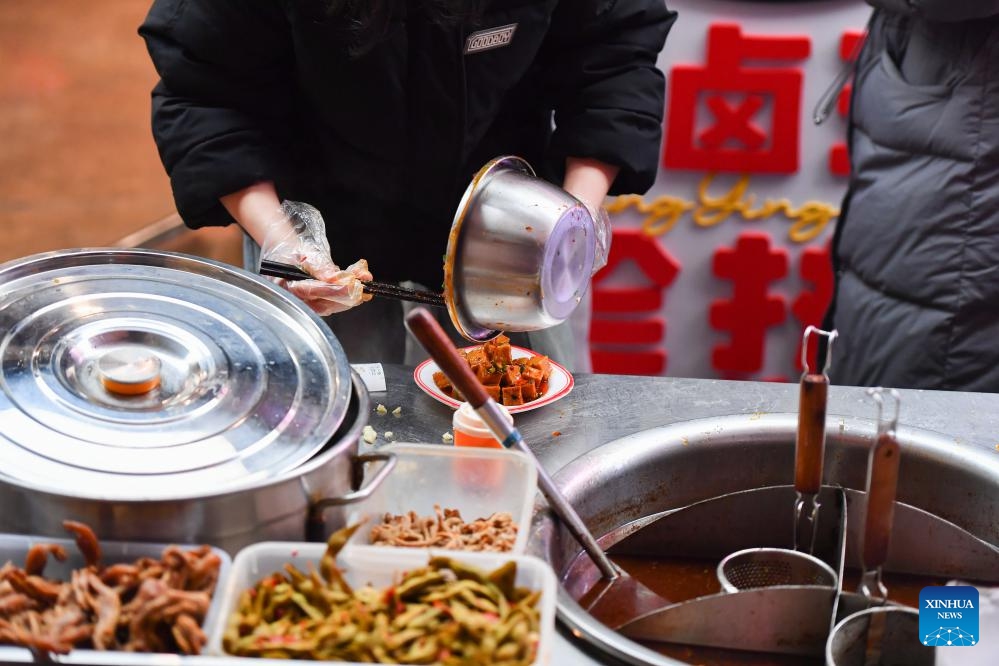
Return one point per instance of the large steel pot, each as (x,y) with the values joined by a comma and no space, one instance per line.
(617,484)
(248,431)
(304,504)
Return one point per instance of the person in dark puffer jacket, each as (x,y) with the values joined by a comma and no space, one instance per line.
(916,250)
(379,113)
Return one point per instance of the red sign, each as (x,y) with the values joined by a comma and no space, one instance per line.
(612,327)
(734,95)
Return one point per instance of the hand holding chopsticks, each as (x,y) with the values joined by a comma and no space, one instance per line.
(287,272)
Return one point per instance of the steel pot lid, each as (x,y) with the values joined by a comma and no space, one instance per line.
(145,375)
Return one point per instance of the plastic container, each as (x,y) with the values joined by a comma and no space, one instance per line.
(380,568)
(14,547)
(470,430)
(477,482)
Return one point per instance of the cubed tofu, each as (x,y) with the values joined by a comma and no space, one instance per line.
(511,376)
(512,395)
(532,373)
(489,376)
(529,391)
(542,363)
(442,382)
(503,355)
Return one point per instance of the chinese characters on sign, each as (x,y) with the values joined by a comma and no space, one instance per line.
(626,316)
(735,116)
(608,329)
(735,94)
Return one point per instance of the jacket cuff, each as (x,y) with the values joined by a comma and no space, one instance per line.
(215,168)
(632,144)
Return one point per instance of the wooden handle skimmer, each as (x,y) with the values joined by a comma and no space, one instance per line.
(425,328)
(810,444)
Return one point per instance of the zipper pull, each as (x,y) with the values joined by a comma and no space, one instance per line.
(823,109)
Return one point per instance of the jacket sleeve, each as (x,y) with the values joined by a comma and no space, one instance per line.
(608,93)
(941,10)
(221,99)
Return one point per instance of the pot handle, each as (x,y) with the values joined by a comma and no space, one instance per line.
(364,492)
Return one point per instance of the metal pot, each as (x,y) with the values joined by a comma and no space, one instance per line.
(616,485)
(305,504)
(246,428)
(520,253)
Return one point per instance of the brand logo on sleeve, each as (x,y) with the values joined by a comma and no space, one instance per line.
(493,38)
(948,616)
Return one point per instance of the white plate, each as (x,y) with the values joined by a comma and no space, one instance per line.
(559,382)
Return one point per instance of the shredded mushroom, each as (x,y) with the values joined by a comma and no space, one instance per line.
(446,529)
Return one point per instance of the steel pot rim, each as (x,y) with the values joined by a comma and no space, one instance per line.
(349,439)
(460,318)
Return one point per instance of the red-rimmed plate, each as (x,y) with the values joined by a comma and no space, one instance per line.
(560,382)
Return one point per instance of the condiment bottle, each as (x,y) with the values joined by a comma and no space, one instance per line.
(470,430)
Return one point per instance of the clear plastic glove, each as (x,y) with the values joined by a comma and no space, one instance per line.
(602,227)
(298,238)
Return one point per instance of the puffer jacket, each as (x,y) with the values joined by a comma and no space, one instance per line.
(916,250)
(384,143)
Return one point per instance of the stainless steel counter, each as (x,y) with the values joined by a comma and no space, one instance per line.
(602,408)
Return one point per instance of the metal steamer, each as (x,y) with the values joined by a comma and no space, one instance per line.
(164,397)
(646,494)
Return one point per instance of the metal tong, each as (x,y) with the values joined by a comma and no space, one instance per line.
(882,486)
(279,270)
(810,447)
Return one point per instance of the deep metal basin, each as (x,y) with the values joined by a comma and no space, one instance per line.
(519,255)
(672,466)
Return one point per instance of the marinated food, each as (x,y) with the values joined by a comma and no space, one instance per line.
(444,613)
(446,529)
(148,605)
(508,380)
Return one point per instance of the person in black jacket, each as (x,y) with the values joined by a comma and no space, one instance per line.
(378,114)
(916,249)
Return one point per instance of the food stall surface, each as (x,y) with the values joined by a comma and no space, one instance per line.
(603,408)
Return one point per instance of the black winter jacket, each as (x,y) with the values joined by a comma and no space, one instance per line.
(916,250)
(385,143)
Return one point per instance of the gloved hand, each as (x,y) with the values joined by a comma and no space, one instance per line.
(602,227)
(298,238)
